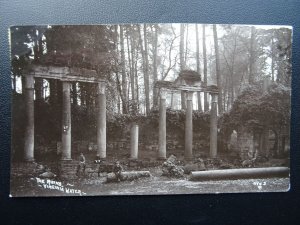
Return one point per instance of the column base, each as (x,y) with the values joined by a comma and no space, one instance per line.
(29,160)
(133,159)
(188,158)
(66,159)
(161,158)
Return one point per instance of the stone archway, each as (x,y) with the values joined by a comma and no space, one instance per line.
(164,87)
(66,75)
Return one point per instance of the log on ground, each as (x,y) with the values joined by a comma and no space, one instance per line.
(233,174)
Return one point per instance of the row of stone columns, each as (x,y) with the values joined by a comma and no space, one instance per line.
(66,120)
(101,124)
(188,153)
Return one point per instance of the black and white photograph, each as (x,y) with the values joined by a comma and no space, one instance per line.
(150,109)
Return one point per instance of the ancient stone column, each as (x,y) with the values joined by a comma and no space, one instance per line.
(66,122)
(188,153)
(134,144)
(162,133)
(101,120)
(29,130)
(213,126)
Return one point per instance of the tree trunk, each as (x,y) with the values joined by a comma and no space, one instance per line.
(272,58)
(206,108)
(53,91)
(38,82)
(124,78)
(82,94)
(251,59)
(146,75)
(182,63)
(145,67)
(14,83)
(186,44)
(220,105)
(38,86)
(74,93)
(155,92)
(136,79)
(131,76)
(198,67)
(133,95)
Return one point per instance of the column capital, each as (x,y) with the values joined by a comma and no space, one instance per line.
(189,95)
(163,93)
(134,125)
(213,97)
(101,87)
(29,81)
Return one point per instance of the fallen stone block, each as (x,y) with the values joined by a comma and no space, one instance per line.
(47,174)
(127,176)
(169,169)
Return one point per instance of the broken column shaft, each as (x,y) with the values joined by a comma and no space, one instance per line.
(66,122)
(101,120)
(162,139)
(134,141)
(233,174)
(213,126)
(188,154)
(29,130)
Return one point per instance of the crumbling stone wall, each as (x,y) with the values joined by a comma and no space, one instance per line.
(245,142)
(48,131)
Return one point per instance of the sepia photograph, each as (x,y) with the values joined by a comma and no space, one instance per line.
(150,109)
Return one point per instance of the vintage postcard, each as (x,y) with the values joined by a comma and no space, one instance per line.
(148,109)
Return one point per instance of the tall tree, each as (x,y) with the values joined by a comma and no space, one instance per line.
(131,67)
(198,67)
(204,66)
(124,77)
(146,72)
(145,66)
(252,56)
(218,73)
(38,52)
(182,62)
(155,76)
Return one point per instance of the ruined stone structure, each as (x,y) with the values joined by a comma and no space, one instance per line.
(66,75)
(187,82)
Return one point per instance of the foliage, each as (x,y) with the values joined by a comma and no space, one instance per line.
(83,46)
(255,109)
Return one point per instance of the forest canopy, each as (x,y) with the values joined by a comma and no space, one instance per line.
(132,57)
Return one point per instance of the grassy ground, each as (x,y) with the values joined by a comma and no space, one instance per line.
(155,185)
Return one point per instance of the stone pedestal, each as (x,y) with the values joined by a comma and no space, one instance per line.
(66,122)
(101,120)
(29,130)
